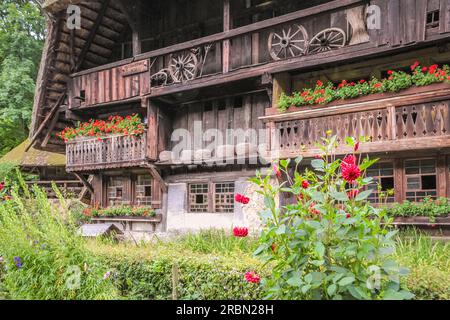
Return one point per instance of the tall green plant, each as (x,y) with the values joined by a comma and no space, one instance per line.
(331,243)
(43,256)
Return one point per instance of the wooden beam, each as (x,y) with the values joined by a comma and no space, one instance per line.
(226,42)
(50,130)
(49,116)
(92,34)
(156,175)
(85,182)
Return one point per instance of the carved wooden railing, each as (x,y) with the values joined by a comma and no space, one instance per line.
(111,152)
(387,127)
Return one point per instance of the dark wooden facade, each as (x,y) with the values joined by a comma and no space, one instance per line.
(225,63)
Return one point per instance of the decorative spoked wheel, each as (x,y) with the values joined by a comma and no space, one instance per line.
(289,44)
(327,40)
(183,66)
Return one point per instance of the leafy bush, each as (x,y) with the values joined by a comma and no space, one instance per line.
(330,244)
(429,263)
(428,208)
(146,272)
(120,211)
(43,257)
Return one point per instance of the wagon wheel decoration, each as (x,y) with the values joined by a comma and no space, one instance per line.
(291,43)
(327,40)
(183,67)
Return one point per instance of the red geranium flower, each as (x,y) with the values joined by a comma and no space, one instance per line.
(240,232)
(241,199)
(252,277)
(415,65)
(390,72)
(350,172)
(305,184)
(362,81)
(319,83)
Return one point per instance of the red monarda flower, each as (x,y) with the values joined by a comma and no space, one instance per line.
(277,171)
(350,172)
(305,184)
(348,216)
(252,277)
(241,199)
(240,232)
(353,193)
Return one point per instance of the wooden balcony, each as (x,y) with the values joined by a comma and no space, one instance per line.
(415,119)
(112,152)
(293,41)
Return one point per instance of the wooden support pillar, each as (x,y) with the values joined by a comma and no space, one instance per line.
(226,43)
(85,182)
(281,84)
(152,130)
(399,181)
(442,176)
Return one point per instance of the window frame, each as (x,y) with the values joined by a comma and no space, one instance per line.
(211,204)
(377,180)
(420,175)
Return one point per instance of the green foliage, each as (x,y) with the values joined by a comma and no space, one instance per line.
(145,272)
(429,264)
(428,208)
(43,257)
(121,211)
(21,40)
(397,81)
(328,245)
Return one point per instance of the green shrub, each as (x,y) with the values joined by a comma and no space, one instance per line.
(43,256)
(428,208)
(146,272)
(331,243)
(121,211)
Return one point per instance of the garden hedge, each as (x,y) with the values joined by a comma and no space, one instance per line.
(140,274)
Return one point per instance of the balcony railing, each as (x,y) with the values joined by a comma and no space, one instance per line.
(391,122)
(87,154)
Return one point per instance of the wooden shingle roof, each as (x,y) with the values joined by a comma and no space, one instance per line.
(33,157)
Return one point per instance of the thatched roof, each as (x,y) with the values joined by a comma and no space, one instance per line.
(33,157)
(102,26)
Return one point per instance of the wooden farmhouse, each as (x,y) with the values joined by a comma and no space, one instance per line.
(206,76)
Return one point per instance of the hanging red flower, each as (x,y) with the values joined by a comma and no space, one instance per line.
(241,199)
(240,232)
(350,172)
(252,277)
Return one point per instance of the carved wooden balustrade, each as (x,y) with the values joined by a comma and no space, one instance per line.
(111,152)
(388,127)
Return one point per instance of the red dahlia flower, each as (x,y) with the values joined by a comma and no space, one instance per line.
(348,160)
(350,172)
(241,199)
(240,232)
(353,193)
(252,277)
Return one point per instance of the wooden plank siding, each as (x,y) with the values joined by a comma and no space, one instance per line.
(110,85)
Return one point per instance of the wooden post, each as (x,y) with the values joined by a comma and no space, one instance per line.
(226,42)
(175,281)
(442,176)
(392,123)
(152,130)
(399,183)
(281,84)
